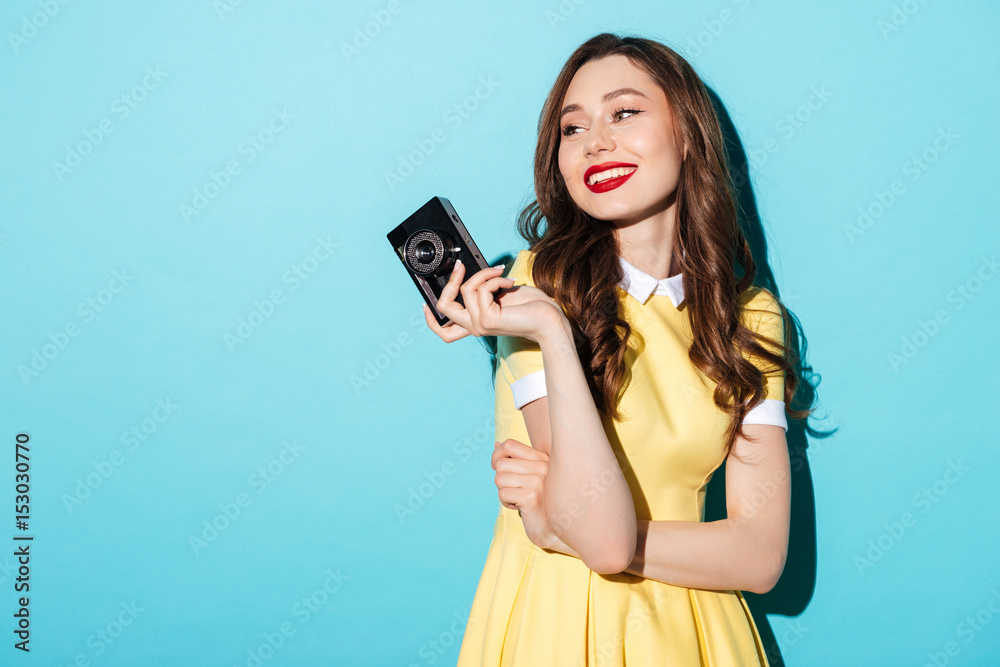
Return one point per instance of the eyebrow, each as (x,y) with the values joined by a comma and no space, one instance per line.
(610,96)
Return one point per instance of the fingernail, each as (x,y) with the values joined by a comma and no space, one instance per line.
(457,263)
(496,443)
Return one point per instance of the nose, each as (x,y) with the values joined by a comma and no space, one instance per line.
(601,138)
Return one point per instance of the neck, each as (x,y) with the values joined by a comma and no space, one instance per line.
(649,245)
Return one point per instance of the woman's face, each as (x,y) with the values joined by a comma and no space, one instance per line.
(619,151)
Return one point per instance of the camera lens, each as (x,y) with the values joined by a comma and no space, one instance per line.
(424,252)
(429,252)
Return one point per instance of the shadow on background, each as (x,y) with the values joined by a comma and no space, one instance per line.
(795,588)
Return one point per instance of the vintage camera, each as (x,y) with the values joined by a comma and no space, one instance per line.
(428,243)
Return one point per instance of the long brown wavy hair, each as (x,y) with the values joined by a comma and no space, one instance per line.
(576,257)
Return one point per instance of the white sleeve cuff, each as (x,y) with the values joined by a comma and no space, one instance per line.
(528,388)
(769,411)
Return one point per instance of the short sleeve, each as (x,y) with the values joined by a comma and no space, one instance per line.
(520,359)
(762,314)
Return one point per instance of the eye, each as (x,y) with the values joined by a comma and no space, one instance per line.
(569,129)
(623,110)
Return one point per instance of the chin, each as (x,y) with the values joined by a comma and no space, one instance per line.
(613,214)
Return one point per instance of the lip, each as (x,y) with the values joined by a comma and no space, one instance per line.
(611,183)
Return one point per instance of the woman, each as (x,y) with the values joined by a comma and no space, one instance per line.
(633,362)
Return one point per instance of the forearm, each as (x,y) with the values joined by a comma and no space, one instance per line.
(717,555)
(587,498)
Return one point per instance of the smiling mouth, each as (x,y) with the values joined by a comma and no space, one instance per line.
(601,178)
(608,174)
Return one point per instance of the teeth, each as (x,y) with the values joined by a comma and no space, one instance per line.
(610,173)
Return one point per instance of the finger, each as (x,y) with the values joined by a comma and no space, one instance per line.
(536,463)
(448,333)
(517,449)
(471,301)
(509,498)
(522,498)
(482,275)
(479,276)
(446,301)
(499,452)
(470,296)
(486,304)
(522,468)
(497,455)
(508,480)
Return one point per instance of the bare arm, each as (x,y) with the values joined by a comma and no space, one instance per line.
(745,551)
(587,499)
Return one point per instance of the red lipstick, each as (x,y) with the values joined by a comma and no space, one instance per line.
(611,183)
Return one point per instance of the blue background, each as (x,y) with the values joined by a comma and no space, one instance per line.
(301,430)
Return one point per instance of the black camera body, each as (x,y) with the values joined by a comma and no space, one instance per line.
(428,243)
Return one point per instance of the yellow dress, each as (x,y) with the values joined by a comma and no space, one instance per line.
(534,608)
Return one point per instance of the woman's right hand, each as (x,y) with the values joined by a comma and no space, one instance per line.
(520,479)
(523,311)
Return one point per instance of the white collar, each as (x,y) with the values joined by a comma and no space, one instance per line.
(641,285)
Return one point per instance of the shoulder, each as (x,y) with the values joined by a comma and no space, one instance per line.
(757,298)
(760,310)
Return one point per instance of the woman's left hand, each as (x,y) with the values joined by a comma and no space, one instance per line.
(520,479)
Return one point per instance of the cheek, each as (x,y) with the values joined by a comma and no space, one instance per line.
(565,168)
(652,144)
(662,150)
(567,171)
